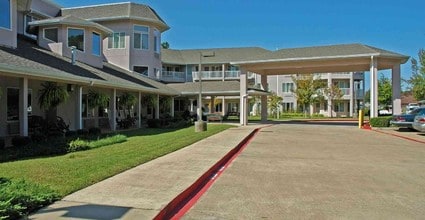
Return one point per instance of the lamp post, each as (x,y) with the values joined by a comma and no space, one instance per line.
(200,125)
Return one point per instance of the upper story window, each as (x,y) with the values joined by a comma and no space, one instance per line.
(287,87)
(157,41)
(5,14)
(76,38)
(141,69)
(96,44)
(116,40)
(28,19)
(50,34)
(141,37)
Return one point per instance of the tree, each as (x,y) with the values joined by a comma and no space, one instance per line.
(127,100)
(307,90)
(417,80)
(333,93)
(384,91)
(97,99)
(274,102)
(50,96)
(165,45)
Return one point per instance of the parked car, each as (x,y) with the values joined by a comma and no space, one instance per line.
(419,123)
(406,120)
(411,106)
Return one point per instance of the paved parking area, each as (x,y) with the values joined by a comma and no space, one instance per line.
(299,171)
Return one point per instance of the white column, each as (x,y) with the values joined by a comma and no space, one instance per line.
(330,107)
(264,99)
(373,87)
(172,107)
(212,104)
(23,110)
(113,109)
(351,94)
(223,106)
(223,71)
(157,107)
(396,82)
(139,111)
(191,105)
(243,97)
(78,107)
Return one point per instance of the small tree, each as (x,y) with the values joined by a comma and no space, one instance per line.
(384,90)
(164,104)
(127,100)
(97,99)
(417,80)
(333,92)
(165,45)
(307,90)
(274,101)
(50,96)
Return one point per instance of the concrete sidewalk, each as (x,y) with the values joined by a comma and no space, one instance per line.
(141,192)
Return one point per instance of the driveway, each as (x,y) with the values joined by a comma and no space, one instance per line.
(308,171)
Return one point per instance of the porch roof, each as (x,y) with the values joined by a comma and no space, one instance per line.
(29,60)
(214,88)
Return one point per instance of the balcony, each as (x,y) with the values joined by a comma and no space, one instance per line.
(218,75)
(172,76)
(345,91)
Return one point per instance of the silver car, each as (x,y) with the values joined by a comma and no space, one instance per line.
(419,123)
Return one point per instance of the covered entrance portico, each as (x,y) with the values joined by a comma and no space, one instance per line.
(325,59)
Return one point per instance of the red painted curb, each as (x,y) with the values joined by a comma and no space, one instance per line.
(185,200)
(400,136)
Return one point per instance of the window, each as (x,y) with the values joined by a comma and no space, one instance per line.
(339,107)
(141,37)
(157,39)
(5,14)
(76,38)
(179,105)
(13,103)
(51,34)
(141,69)
(96,47)
(287,87)
(116,40)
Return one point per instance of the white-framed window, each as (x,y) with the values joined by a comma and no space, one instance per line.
(96,44)
(141,37)
(157,41)
(287,87)
(339,107)
(288,106)
(141,69)
(13,104)
(28,19)
(6,14)
(50,34)
(76,38)
(116,40)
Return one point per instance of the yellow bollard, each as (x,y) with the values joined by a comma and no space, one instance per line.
(361,119)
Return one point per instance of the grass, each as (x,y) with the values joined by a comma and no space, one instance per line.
(71,172)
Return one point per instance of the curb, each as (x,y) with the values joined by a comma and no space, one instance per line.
(185,200)
(399,136)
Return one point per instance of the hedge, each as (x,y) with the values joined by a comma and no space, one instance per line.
(380,121)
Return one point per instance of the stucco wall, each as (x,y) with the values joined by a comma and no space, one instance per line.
(118,56)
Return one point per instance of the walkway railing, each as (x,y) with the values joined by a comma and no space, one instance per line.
(172,76)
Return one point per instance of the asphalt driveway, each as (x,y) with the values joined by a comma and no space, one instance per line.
(299,171)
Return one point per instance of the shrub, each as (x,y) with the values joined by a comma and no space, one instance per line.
(94,131)
(18,198)
(38,136)
(20,141)
(78,145)
(2,143)
(82,132)
(154,123)
(71,134)
(119,138)
(380,121)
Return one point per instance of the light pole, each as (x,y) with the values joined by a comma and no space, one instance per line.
(200,125)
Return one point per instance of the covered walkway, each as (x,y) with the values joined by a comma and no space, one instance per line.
(323,59)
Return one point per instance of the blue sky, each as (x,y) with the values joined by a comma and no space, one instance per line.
(398,26)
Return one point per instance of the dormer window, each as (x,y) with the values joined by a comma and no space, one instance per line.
(96,44)
(141,37)
(116,40)
(76,38)
(5,14)
(50,34)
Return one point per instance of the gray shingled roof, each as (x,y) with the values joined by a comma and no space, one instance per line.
(221,55)
(323,52)
(70,20)
(217,88)
(125,10)
(34,62)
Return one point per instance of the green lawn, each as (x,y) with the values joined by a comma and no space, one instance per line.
(71,172)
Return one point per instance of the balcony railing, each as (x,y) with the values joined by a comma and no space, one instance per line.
(172,76)
(218,75)
(345,91)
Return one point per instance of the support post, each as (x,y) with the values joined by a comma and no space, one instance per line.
(172,107)
(212,104)
(373,87)
(330,104)
(113,108)
(396,84)
(264,112)
(23,110)
(243,98)
(157,107)
(78,107)
(224,106)
(139,111)
(351,94)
